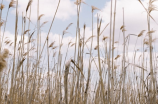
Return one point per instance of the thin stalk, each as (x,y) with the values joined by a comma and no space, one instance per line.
(109,54)
(15,40)
(123,64)
(48,71)
(112,79)
(89,67)
(5,25)
(0,28)
(49,31)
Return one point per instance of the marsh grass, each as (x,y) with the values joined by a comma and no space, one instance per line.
(40,73)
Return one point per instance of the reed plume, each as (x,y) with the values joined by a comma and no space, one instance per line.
(3,56)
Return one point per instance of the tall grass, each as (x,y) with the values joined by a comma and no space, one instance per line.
(25,79)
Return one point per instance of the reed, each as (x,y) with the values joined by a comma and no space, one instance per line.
(94,69)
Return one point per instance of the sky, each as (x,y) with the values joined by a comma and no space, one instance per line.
(65,15)
(134,14)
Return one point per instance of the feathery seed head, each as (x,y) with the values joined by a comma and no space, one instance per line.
(40,16)
(2,63)
(12,3)
(95,8)
(78,2)
(141,33)
(121,27)
(3,56)
(96,47)
(2,6)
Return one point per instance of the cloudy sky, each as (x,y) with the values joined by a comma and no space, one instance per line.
(135,20)
(135,16)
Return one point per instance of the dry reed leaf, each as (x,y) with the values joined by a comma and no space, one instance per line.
(104,38)
(141,33)
(152,31)
(51,45)
(39,17)
(96,47)
(31,36)
(43,23)
(11,44)
(137,66)
(117,57)
(54,47)
(7,41)
(72,44)
(121,27)
(29,3)
(89,38)
(26,31)
(68,26)
(95,8)
(77,67)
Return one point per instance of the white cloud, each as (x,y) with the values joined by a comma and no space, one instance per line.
(11,37)
(66,9)
(135,20)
